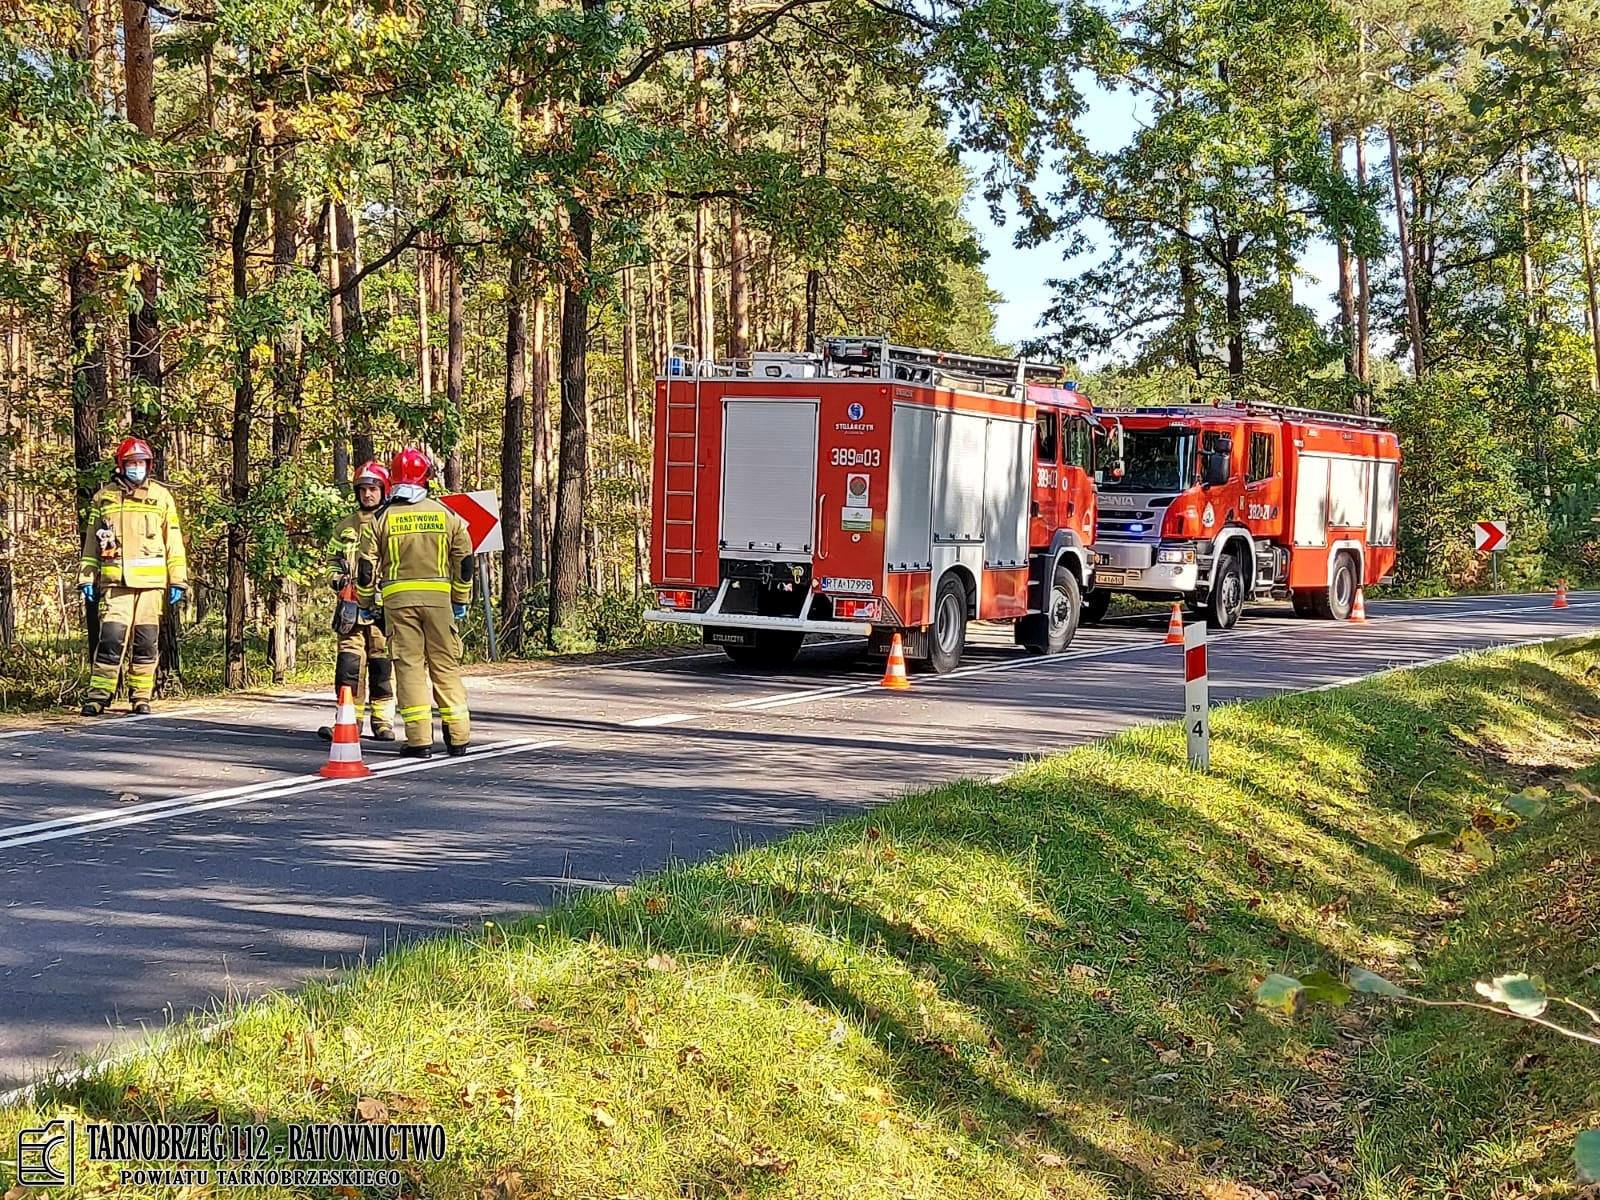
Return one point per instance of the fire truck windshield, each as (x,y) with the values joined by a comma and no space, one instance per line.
(1157,460)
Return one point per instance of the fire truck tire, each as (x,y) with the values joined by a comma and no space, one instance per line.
(1226,602)
(947,637)
(1095,606)
(1052,632)
(774,650)
(1342,588)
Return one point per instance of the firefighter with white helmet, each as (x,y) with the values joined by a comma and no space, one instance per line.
(133,562)
(363,648)
(416,567)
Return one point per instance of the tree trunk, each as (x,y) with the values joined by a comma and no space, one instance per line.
(1580,176)
(814,275)
(144,333)
(361,447)
(539,423)
(1346,269)
(630,412)
(235,672)
(566,558)
(341,426)
(513,445)
(1363,283)
(10,371)
(455,361)
(1530,318)
(90,395)
(286,367)
(1235,313)
(738,240)
(1407,267)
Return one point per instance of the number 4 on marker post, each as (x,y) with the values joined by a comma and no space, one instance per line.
(1196,696)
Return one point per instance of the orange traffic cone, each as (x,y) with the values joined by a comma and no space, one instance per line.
(1561,594)
(894,676)
(344,755)
(1358,610)
(1175,627)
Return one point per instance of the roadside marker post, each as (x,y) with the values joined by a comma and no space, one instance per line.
(1196,696)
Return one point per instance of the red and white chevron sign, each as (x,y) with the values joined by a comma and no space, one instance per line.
(1490,535)
(481,512)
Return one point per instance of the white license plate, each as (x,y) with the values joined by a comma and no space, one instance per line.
(855,587)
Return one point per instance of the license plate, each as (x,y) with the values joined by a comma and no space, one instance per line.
(837,583)
(1110,578)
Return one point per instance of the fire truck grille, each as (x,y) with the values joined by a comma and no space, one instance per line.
(1141,524)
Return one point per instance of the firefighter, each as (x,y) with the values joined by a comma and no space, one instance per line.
(416,570)
(133,561)
(363,649)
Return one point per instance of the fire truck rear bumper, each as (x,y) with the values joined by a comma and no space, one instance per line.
(748,621)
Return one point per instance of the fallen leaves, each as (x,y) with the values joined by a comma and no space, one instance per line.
(602,1118)
(372,1110)
(661,962)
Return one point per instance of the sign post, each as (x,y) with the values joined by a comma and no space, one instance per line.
(481,512)
(1196,696)
(1490,537)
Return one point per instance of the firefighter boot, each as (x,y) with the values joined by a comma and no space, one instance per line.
(380,685)
(410,751)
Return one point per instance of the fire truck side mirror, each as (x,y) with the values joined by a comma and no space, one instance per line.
(1217,468)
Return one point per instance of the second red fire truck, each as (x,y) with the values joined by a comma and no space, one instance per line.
(872,489)
(1219,505)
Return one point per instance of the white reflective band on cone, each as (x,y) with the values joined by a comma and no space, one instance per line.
(345,752)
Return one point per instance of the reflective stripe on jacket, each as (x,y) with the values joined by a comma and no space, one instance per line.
(345,549)
(134,538)
(421,555)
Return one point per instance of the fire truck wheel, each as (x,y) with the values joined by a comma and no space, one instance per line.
(1051,632)
(1342,588)
(1094,607)
(948,636)
(1227,594)
(774,650)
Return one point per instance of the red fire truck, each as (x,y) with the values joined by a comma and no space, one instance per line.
(871,489)
(1217,505)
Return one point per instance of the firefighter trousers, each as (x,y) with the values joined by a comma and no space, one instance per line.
(364,660)
(426,651)
(127,615)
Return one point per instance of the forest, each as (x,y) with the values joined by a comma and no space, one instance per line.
(278,237)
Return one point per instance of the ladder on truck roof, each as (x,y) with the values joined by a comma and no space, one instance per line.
(914,364)
(1288,412)
(681,458)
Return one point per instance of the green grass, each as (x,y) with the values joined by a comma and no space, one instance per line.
(1040,987)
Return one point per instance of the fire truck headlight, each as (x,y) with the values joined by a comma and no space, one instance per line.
(1174,556)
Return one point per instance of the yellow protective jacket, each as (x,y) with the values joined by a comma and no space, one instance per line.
(134,539)
(417,554)
(344,551)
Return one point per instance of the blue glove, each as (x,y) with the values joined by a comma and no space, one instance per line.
(459,611)
(369,616)
(88,592)
(174,596)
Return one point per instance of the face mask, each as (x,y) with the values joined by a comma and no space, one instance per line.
(136,472)
(410,493)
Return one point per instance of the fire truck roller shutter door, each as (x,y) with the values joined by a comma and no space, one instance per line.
(769,478)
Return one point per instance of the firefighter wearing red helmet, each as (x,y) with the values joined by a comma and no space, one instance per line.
(133,562)
(363,649)
(416,566)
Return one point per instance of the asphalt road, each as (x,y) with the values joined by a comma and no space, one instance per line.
(152,865)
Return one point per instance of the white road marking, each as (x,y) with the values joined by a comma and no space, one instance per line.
(660,719)
(177,806)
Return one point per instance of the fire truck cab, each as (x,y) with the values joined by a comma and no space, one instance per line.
(1218,505)
(871,489)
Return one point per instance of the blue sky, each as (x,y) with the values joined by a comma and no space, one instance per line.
(1021,276)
